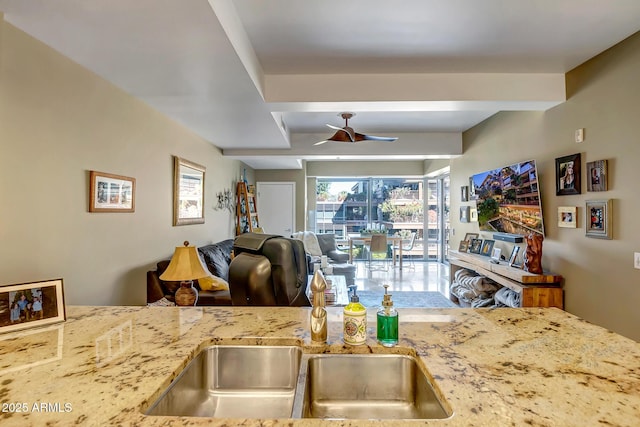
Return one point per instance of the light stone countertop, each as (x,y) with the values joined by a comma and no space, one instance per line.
(500,367)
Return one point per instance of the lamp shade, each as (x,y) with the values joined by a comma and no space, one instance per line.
(185,265)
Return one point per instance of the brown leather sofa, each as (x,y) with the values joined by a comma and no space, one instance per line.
(216,257)
(268,270)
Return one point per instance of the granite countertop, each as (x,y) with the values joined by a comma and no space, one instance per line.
(540,367)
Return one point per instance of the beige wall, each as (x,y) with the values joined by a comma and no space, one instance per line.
(365,168)
(293,175)
(601,284)
(57,122)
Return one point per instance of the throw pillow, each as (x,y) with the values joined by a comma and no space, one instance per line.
(311,244)
(213,283)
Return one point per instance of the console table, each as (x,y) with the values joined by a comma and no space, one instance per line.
(536,290)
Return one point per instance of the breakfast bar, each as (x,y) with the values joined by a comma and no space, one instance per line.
(491,367)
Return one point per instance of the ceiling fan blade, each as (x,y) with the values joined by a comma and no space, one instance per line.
(334,127)
(379,138)
(320,142)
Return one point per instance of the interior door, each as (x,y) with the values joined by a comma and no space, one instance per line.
(276,207)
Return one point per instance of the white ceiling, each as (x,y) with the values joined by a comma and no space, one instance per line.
(260,79)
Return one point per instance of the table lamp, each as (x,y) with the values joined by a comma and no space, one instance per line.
(185,266)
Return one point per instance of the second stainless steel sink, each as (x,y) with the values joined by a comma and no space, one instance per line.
(367,386)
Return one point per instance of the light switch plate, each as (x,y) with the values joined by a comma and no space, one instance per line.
(579,135)
(636,260)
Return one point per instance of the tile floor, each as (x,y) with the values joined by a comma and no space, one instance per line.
(424,276)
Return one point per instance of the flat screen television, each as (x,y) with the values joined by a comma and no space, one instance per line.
(508,199)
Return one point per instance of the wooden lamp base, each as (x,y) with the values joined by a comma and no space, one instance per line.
(186,295)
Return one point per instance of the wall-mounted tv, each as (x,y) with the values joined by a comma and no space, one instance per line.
(508,199)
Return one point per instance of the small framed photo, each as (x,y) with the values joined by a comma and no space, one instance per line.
(496,253)
(470,236)
(464,193)
(473,215)
(568,175)
(464,246)
(598,219)
(464,213)
(487,247)
(475,246)
(111,193)
(513,258)
(567,216)
(32,304)
(597,175)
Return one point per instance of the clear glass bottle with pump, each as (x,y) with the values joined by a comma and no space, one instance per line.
(387,321)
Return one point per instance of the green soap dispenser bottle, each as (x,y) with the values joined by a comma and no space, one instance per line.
(387,321)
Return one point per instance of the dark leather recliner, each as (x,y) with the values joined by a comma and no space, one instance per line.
(268,270)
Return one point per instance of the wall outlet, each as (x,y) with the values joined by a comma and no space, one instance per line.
(636,260)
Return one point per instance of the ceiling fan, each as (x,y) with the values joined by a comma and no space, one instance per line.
(347,134)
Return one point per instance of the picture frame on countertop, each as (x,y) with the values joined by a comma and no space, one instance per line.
(475,246)
(470,236)
(513,258)
(597,176)
(598,219)
(568,170)
(496,253)
(32,305)
(567,216)
(487,247)
(188,192)
(463,246)
(464,193)
(464,213)
(111,193)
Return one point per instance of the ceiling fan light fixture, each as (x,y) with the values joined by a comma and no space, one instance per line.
(347,134)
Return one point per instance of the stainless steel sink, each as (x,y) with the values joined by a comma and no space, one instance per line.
(366,386)
(234,382)
(271,382)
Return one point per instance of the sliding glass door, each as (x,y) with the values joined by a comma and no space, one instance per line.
(349,206)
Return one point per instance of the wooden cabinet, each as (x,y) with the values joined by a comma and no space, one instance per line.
(246,210)
(536,290)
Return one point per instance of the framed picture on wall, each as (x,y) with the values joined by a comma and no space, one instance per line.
(111,193)
(568,175)
(464,213)
(464,193)
(597,175)
(598,219)
(188,192)
(567,216)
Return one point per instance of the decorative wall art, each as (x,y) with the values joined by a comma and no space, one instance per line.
(111,193)
(188,192)
(32,304)
(598,221)
(597,176)
(464,193)
(567,216)
(568,175)
(225,201)
(473,215)
(464,213)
